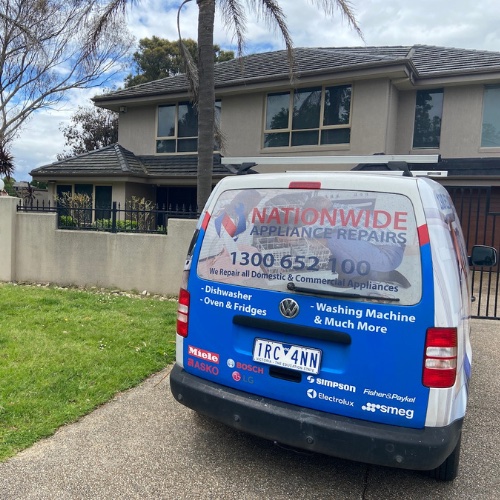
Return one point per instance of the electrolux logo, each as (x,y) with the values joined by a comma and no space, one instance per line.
(312,394)
(391,410)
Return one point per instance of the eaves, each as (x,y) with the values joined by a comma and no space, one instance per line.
(400,69)
(452,78)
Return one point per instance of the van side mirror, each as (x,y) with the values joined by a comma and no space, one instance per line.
(482,255)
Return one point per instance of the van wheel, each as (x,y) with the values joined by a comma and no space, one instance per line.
(448,470)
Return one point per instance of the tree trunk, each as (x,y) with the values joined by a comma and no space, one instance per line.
(206,100)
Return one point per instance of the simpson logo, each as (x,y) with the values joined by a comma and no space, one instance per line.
(391,410)
(331,383)
(202,354)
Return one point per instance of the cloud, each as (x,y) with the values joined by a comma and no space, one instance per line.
(41,139)
(451,23)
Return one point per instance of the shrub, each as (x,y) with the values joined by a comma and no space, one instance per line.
(66,221)
(121,225)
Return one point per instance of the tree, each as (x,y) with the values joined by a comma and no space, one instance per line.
(160,58)
(44,54)
(90,128)
(9,186)
(202,74)
(234,16)
(6,162)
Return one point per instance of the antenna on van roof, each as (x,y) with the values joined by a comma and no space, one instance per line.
(241,168)
(398,166)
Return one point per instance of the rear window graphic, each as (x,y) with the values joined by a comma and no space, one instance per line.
(354,241)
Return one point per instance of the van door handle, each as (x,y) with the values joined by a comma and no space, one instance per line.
(293,329)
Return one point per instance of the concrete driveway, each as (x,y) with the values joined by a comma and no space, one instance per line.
(144,445)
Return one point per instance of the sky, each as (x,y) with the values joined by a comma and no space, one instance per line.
(468,24)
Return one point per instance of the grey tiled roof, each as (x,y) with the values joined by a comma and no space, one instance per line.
(427,60)
(116,161)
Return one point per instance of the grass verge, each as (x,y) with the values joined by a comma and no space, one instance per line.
(63,352)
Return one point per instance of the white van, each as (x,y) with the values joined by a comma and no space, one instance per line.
(330,311)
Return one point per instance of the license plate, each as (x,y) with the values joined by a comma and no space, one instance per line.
(294,357)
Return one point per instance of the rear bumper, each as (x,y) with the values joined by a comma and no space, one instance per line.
(343,437)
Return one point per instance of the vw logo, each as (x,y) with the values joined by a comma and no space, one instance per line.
(289,308)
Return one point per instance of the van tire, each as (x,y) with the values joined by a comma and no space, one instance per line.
(448,470)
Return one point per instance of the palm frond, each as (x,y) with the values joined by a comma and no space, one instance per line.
(234,18)
(275,19)
(346,8)
(6,162)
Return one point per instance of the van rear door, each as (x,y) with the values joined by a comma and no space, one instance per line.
(311,293)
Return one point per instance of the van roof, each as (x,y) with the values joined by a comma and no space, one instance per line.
(367,181)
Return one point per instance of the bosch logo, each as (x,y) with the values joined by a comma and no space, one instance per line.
(289,308)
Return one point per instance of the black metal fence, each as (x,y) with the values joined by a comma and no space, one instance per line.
(478,208)
(112,219)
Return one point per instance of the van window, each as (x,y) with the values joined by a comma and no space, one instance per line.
(359,242)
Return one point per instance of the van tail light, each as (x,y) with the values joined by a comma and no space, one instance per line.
(304,185)
(440,361)
(183,313)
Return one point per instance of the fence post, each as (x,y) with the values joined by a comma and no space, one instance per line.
(113,218)
(8,220)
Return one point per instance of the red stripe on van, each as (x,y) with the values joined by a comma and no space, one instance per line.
(206,219)
(423,235)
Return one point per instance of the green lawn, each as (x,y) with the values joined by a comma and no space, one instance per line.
(63,352)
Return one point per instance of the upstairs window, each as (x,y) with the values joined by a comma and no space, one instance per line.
(428,115)
(490,136)
(308,117)
(177,130)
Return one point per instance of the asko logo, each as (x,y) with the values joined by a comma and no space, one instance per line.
(204,367)
(212,357)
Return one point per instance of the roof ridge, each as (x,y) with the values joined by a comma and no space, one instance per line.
(122,154)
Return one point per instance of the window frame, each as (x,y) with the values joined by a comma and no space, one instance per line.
(175,138)
(495,147)
(321,119)
(80,188)
(435,91)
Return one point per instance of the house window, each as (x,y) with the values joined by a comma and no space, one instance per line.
(100,198)
(490,136)
(428,115)
(63,189)
(308,117)
(103,202)
(177,130)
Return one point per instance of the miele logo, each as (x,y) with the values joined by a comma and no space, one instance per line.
(202,354)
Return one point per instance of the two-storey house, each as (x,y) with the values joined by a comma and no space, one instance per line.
(409,100)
